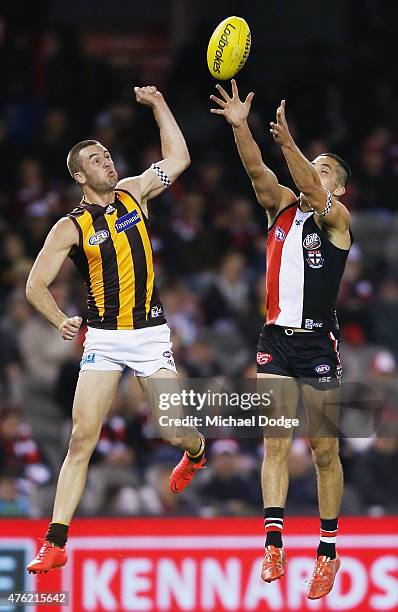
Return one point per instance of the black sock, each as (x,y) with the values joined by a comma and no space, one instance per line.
(57,534)
(273,523)
(196,457)
(327,544)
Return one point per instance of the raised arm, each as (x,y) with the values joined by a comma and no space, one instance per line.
(307,178)
(48,263)
(174,149)
(270,194)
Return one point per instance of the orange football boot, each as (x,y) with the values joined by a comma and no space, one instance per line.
(274,563)
(323,576)
(49,557)
(183,473)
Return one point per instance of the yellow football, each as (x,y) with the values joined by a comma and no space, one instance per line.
(229,48)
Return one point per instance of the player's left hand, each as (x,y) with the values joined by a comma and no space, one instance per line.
(149,95)
(280,129)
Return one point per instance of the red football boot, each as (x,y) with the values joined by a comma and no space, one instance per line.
(183,473)
(322,579)
(49,557)
(274,563)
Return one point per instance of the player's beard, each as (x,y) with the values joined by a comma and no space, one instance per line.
(106,185)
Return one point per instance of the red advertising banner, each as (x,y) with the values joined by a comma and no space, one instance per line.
(203,564)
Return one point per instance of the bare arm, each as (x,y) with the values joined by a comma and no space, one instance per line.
(45,269)
(306,177)
(270,194)
(174,149)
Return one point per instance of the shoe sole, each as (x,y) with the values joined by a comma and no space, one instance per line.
(32,571)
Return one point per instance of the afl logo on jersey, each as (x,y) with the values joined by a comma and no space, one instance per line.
(98,237)
(280,234)
(312,241)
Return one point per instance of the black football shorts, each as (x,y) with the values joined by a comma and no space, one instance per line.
(312,357)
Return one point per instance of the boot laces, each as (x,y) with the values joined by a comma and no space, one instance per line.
(321,568)
(271,555)
(45,546)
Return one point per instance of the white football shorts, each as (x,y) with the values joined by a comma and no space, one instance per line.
(145,350)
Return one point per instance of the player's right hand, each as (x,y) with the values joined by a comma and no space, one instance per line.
(69,327)
(233,109)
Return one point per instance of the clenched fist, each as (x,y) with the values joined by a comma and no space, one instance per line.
(149,95)
(69,327)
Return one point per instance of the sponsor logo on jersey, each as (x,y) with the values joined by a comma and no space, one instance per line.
(311,242)
(325,379)
(310,324)
(124,223)
(109,209)
(315,259)
(167,354)
(90,358)
(339,372)
(98,238)
(280,234)
(323,368)
(263,358)
(156,311)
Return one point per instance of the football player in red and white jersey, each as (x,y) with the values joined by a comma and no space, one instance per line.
(308,243)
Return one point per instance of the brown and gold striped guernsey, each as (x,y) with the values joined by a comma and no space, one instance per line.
(115,259)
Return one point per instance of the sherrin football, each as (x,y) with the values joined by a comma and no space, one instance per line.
(229,48)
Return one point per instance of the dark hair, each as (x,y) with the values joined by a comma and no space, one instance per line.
(345,170)
(73,160)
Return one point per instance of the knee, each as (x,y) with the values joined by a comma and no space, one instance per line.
(325,454)
(82,443)
(277,449)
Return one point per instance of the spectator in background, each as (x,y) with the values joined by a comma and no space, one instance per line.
(375,475)
(56,138)
(12,502)
(201,361)
(229,488)
(354,299)
(190,246)
(302,493)
(237,229)
(30,188)
(20,456)
(228,297)
(182,312)
(384,315)
(42,347)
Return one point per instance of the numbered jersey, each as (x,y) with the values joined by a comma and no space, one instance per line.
(115,259)
(304,271)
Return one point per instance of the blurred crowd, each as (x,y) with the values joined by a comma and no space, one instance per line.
(209,239)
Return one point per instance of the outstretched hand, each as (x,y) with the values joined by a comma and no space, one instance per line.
(233,109)
(149,95)
(280,129)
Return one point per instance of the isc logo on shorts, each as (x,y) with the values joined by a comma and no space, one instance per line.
(98,238)
(263,358)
